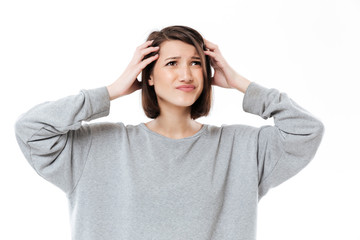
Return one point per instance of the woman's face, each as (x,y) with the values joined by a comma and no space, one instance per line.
(178,64)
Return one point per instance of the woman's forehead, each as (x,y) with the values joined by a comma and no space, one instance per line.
(176,47)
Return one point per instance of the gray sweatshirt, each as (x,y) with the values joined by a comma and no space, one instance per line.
(128,182)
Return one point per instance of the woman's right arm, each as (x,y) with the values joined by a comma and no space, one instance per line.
(52,138)
(51,135)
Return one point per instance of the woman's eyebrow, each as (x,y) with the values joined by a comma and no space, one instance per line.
(177,57)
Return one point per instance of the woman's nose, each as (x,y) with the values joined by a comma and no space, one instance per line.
(185,73)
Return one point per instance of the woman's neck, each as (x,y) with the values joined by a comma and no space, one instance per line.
(174,126)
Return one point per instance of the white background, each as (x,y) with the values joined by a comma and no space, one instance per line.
(308,49)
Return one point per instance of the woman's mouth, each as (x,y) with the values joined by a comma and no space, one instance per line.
(186,88)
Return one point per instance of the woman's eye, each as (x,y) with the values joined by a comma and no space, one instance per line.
(173,63)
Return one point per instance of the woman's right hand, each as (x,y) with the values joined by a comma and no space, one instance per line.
(128,82)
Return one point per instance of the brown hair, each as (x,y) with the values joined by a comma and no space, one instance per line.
(202,105)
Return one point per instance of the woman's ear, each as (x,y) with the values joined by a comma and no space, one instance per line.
(151,81)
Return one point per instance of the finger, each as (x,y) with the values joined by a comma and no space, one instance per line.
(210,53)
(214,60)
(210,45)
(145,44)
(147,61)
(148,50)
(140,54)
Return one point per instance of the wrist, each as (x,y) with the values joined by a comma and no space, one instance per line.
(112,92)
(241,83)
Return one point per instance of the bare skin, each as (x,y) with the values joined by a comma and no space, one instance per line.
(178,64)
(175,121)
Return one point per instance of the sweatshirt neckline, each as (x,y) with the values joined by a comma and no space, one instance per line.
(198,133)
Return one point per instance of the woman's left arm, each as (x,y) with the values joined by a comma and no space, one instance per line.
(284,149)
(287,147)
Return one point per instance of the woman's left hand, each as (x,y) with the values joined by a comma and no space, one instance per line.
(224,75)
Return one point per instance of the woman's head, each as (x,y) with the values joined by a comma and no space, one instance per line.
(189,44)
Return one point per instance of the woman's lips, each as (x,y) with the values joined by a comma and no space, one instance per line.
(186,89)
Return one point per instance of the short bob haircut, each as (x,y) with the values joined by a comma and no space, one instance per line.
(201,107)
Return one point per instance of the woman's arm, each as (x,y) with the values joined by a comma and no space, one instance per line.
(53,140)
(284,149)
(51,135)
(288,146)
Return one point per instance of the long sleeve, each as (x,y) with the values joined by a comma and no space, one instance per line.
(288,146)
(54,140)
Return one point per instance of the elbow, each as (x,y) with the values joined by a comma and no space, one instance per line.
(319,130)
(22,129)
(303,147)
(19,126)
(314,140)
(20,134)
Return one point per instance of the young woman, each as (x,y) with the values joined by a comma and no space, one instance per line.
(172,177)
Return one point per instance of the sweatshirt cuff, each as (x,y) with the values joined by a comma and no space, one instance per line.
(99,101)
(254,99)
